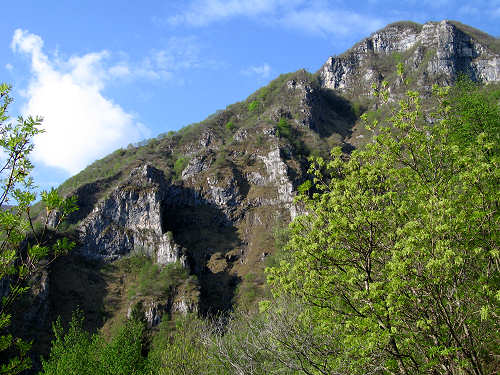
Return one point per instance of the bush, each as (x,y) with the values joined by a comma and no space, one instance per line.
(253,106)
(283,128)
(230,126)
(77,352)
(155,280)
(179,350)
(179,166)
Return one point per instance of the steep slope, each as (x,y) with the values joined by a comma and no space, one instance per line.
(213,195)
(436,52)
(433,53)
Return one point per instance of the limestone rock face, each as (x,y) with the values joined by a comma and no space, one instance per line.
(439,51)
(130,219)
(277,172)
(196,165)
(184,306)
(224,192)
(308,99)
(151,310)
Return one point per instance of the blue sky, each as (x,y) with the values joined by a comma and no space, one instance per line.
(108,73)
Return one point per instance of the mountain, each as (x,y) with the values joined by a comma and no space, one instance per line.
(435,52)
(216,196)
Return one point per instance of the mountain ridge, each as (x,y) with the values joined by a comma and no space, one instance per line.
(216,196)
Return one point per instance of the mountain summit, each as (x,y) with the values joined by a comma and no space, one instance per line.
(215,196)
(436,52)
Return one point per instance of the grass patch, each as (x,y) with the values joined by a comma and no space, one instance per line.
(152,279)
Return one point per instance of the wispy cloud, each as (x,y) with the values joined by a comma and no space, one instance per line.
(314,16)
(468,10)
(178,54)
(325,21)
(262,71)
(204,12)
(81,123)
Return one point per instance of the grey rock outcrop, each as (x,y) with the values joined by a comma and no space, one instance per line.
(130,219)
(151,310)
(440,51)
(224,192)
(196,165)
(184,306)
(277,172)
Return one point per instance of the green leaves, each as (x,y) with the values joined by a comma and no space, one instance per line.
(254,106)
(77,352)
(22,248)
(385,255)
(54,203)
(283,128)
(230,126)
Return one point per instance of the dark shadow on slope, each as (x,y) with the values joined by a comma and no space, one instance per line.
(207,234)
(333,114)
(72,283)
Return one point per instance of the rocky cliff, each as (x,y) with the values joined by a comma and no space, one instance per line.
(436,52)
(212,196)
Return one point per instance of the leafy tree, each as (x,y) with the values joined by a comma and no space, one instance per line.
(180,351)
(77,352)
(399,252)
(474,111)
(179,166)
(24,251)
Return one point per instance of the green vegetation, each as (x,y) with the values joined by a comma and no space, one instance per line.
(399,252)
(76,352)
(179,166)
(180,350)
(283,128)
(253,106)
(474,111)
(25,250)
(153,279)
(406,24)
(230,126)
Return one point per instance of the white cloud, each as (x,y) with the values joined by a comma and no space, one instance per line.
(81,124)
(9,67)
(263,71)
(203,12)
(314,16)
(317,20)
(178,54)
(468,10)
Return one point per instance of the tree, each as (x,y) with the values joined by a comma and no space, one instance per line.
(24,251)
(398,253)
(280,339)
(77,352)
(179,350)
